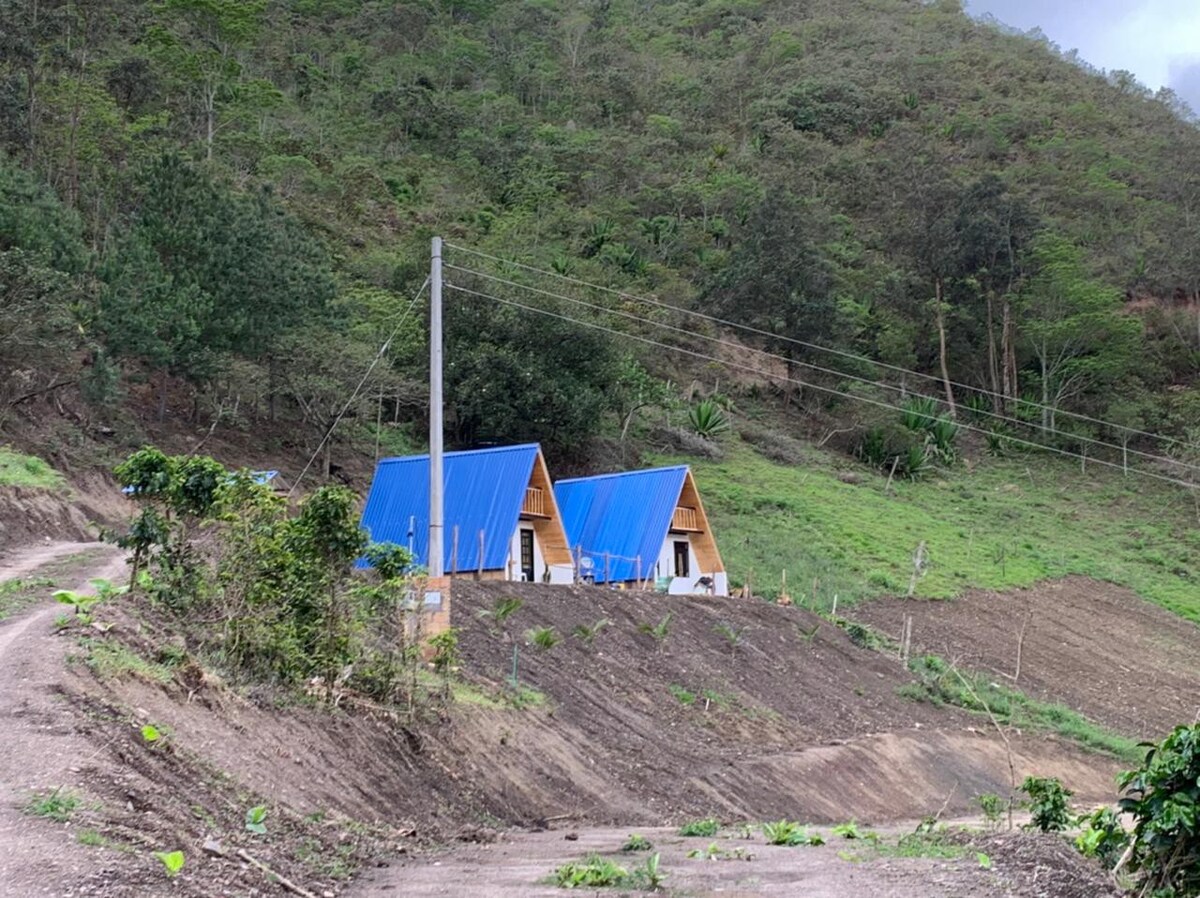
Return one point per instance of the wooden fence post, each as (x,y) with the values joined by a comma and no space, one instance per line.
(479,572)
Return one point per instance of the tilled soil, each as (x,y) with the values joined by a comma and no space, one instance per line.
(1019,865)
(1097,648)
(745,710)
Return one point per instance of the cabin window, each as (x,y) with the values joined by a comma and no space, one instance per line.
(682,568)
(527,555)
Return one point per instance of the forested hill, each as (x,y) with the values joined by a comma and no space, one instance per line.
(232,201)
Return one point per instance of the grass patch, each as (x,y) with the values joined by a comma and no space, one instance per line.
(28,471)
(1007,523)
(109,659)
(56,805)
(25,592)
(932,843)
(939,684)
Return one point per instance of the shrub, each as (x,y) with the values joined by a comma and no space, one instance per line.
(1047,803)
(1103,837)
(1162,796)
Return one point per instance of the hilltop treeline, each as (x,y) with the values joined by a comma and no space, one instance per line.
(236,197)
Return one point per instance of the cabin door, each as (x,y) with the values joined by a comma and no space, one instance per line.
(682,558)
(527,573)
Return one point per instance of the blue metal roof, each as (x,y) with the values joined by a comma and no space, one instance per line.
(484,490)
(624,514)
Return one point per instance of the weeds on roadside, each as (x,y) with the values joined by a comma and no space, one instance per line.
(715,852)
(596,872)
(706,828)
(57,805)
(787,832)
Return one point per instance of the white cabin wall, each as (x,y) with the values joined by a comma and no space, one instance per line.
(685,585)
(562,573)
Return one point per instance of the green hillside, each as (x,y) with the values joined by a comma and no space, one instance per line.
(1008,522)
(218,211)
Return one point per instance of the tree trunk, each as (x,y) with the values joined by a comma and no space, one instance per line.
(940,314)
(1008,353)
(1047,421)
(162,396)
(993,365)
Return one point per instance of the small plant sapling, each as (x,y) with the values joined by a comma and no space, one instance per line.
(1047,803)
(992,807)
(659,631)
(172,861)
(256,820)
(732,635)
(544,638)
(502,609)
(636,842)
(587,634)
(650,874)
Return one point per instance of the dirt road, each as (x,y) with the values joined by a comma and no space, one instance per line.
(521,866)
(41,750)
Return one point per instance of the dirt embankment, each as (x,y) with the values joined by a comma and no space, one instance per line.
(743,710)
(1097,648)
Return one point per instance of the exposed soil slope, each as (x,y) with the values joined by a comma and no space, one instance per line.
(637,730)
(629,730)
(1092,646)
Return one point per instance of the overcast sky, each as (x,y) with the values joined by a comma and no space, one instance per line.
(1157,40)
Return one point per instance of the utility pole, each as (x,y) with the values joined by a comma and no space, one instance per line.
(436,480)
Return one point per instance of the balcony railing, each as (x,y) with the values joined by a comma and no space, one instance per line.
(534,505)
(686,519)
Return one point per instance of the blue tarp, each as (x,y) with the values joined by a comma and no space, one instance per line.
(259,477)
(484,490)
(626,515)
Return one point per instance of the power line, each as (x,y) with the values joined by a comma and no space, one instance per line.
(816,346)
(375,361)
(818,387)
(863,380)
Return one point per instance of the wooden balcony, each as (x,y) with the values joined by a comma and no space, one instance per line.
(534,505)
(686,520)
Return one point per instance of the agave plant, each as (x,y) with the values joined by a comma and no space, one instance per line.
(707,419)
(919,413)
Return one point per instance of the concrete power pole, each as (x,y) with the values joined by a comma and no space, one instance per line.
(436,480)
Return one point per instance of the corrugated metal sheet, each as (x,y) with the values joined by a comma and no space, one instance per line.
(484,491)
(626,515)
